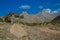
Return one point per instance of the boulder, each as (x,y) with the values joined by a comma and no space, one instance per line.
(18,30)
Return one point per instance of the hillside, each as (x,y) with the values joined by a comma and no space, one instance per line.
(57,18)
(30,27)
(24,32)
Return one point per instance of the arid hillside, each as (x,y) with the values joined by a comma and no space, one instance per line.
(42,26)
(20,31)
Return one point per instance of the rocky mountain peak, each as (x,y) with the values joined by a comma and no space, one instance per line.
(24,13)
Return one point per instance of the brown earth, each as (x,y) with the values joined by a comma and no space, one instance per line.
(33,33)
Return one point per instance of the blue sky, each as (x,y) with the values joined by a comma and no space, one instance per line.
(31,6)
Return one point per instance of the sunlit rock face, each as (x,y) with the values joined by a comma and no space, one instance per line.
(18,31)
(38,18)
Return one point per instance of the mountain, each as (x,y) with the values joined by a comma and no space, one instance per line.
(39,17)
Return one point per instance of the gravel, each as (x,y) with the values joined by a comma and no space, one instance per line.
(33,34)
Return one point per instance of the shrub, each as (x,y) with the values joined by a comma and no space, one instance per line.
(31,24)
(1,20)
(55,21)
(22,16)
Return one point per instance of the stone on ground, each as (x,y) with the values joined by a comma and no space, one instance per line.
(18,30)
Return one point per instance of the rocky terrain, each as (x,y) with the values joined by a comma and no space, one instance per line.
(24,32)
(41,26)
(38,18)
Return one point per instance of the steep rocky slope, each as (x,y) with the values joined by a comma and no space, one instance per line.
(57,18)
(38,18)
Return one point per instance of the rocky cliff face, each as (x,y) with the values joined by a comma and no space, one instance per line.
(38,18)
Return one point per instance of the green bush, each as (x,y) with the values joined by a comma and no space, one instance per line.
(55,22)
(31,24)
(1,20)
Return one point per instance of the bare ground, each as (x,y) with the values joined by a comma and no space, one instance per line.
(34,33)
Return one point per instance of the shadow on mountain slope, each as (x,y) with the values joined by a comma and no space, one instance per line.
(57,18)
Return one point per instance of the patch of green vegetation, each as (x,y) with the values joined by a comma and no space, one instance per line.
(22,23)
(31,24)
(55,22)
(44,23)
(1,20)
(34,24)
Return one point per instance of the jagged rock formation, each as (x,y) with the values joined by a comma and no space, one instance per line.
(38,18)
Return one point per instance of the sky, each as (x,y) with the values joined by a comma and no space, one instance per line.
(30,6)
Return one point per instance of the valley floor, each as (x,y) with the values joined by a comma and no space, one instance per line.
(39,32)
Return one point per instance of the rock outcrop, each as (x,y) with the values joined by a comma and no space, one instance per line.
(38,18)
(18,31)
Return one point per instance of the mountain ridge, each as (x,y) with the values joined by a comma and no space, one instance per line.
(30,18)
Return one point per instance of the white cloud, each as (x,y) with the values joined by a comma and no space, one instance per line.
(24,7)
(47,10)
(40,7)
(50,11)
(55,11)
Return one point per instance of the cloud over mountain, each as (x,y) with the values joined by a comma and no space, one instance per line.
(47,10)
(55,11)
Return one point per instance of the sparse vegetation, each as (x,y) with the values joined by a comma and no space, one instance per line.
(55,22)
(1,20)
(34,24)
(22,16)
(31,24)
(21,23)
